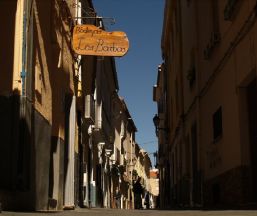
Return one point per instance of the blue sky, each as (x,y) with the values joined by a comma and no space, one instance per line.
(142,21)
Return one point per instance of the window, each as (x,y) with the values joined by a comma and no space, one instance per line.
(217,124)
(215,16)
(230,9)
(177,96)
(191,73)
(188,2)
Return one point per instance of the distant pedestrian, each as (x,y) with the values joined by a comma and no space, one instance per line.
(138,190)
(151,201)
(158,202)
(117,198)
(147,200)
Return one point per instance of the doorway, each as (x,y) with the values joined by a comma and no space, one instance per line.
(252,116)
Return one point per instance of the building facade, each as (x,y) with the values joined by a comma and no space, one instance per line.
(38,103)
(64,128)
(123,156)
(206,94)
(154,188)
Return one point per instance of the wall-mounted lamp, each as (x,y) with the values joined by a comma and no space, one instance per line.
(156,121)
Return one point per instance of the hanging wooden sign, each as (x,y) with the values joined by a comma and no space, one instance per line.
(91,40)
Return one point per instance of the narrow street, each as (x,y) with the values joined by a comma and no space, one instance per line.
(115,212)
(110,107)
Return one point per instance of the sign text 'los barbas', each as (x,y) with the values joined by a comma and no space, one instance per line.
(91,40)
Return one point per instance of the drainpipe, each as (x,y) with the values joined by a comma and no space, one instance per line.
(24,50)
(90,164)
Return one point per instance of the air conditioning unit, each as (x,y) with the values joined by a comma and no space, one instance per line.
(98,117)
(89,109)
(121,159)
(122,130)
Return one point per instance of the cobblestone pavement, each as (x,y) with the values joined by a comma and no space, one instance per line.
(114,212)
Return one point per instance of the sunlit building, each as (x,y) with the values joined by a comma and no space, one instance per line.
(154,187)
(38,105)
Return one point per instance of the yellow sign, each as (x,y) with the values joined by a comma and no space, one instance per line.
(91,40)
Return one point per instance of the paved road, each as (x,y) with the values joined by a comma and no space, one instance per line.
(113,212)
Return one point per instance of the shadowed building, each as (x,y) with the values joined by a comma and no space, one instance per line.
(206,96)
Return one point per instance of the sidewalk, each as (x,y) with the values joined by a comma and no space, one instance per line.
(121,212)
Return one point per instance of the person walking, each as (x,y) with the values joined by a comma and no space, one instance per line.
(147,200)
(138,190)
(117,198)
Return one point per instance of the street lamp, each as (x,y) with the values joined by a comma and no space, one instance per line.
(155,154)
(156,121)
